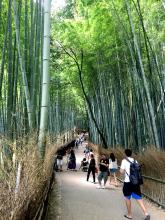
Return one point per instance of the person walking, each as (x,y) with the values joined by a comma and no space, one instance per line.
(113,168)
(84,165)
(103,168)
(129,188)
(59,161)
(87,152)
(72,161)
(92,167)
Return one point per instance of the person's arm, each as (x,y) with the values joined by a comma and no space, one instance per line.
(122,171)
(104,164)
(122,168)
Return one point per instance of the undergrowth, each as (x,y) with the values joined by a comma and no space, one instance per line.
(35,175)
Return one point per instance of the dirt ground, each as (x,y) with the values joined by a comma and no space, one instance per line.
(73,198)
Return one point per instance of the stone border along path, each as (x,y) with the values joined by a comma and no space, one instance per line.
(78,199)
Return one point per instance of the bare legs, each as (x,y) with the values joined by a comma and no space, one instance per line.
(115,179)
(129,210)
(140,203)
(116,184)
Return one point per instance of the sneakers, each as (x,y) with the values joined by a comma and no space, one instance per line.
(147,217)
(103,187)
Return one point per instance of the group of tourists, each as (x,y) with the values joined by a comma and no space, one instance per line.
(68,151)
(71,159)
(132,177)
(108,167)
(79,140)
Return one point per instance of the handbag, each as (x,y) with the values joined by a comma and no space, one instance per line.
(96,170)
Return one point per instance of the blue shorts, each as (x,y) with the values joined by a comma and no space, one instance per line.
(134,196)
(113,170)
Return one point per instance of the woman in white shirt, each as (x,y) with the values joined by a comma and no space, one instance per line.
(113,168)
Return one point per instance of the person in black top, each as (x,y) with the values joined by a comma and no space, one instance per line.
(92,166)
(72,161)
(103,167)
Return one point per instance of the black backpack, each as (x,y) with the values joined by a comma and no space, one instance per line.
(135,173)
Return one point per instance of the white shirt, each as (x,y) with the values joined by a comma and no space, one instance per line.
(125,165)
(91,153)
(113,164)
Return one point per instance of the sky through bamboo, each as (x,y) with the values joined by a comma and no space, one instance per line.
(56,5)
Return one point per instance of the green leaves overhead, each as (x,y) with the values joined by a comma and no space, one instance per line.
(123,47)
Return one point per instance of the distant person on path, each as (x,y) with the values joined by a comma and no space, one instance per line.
(103,174)
(77,143)
(113,168)
(81,138)
(86,152)
(130,189)
(60,154)
(84,165)
(91,152)
(92,167)
(72,161)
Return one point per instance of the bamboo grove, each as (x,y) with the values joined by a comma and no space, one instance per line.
(20,66)
(96,65)
(106,70)
(25,102)
(116,52)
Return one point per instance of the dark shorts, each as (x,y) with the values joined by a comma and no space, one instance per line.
(133,191)
(103,175)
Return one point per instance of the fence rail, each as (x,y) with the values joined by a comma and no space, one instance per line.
(154,179)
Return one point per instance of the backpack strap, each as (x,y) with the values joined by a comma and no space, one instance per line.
(129,160)
(130,163)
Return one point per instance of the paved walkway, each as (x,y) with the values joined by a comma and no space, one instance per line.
(80,200)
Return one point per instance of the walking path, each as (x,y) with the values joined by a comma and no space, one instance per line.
(80,200)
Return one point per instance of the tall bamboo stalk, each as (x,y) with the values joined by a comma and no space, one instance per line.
(45,80)
(22,67)
(156,139)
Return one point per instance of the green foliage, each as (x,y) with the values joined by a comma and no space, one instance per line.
(111,65)
(123,67)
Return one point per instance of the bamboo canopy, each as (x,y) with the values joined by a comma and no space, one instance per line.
(100,67)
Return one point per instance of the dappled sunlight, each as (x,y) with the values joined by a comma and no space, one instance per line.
(56,5)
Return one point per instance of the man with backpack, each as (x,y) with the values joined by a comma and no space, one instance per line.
(132,182)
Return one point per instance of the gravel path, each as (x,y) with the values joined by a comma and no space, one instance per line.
(80,200)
